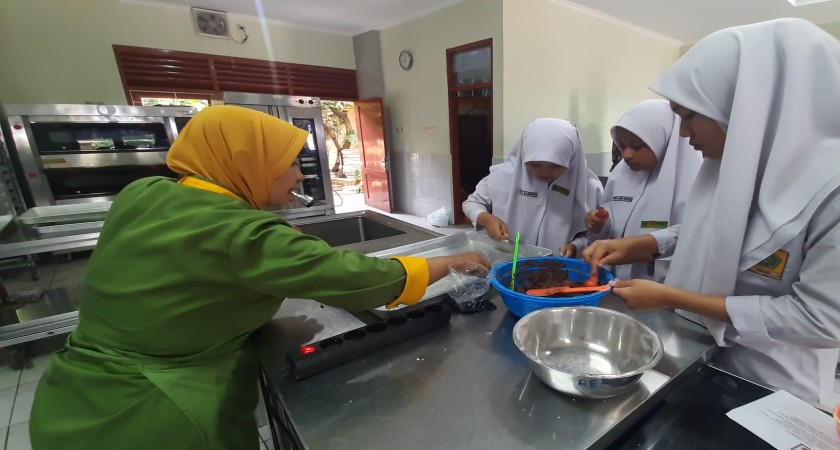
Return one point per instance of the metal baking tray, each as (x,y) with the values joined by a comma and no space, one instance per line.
(81,212)
(471,241)
(69,228)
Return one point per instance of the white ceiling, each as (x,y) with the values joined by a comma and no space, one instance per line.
(333,16)
(685,21)
(689,20)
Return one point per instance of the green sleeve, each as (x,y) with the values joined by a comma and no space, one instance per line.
(270,257)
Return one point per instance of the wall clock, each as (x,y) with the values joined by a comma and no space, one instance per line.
(406,60)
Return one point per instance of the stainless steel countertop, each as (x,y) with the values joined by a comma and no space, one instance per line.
(18,239)
(464,386)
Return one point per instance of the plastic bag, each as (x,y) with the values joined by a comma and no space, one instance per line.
(469,282)
(439,218)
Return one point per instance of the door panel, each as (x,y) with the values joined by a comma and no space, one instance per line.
(375,176)
(469,70)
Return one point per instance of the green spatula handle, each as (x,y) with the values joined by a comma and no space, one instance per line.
(515,257)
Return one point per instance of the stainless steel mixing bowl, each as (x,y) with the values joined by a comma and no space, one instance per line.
(587,351)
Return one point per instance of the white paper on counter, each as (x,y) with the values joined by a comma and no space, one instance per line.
(788,423)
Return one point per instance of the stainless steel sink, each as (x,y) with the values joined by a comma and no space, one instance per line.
(365,231)
(349,230)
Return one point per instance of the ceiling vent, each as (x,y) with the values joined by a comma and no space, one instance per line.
(210,23)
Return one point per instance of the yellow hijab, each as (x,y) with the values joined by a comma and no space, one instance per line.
(240,149)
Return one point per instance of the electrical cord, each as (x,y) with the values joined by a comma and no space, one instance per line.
(245,39)
(339,197)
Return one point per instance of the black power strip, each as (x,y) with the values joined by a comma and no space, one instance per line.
(318,356)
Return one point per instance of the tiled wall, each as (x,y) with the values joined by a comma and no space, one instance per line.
(599,163)
(421,182)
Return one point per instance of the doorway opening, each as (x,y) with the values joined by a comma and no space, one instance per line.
(470,82)
(341,132)
(355,132)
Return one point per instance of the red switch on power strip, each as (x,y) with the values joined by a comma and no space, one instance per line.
(307,349)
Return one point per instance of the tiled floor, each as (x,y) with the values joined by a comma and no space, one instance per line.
(18,388)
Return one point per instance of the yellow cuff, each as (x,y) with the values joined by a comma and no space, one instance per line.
(416,280)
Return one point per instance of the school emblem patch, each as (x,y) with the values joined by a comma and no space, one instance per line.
(560,189)
(772,266)
(658,224)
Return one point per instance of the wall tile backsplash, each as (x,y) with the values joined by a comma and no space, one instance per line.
(422,183)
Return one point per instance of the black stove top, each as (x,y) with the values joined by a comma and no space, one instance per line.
(694,416)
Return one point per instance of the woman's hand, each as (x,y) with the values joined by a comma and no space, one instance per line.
(604,252)
(496,228)
(621,251)
(439,265)
(568,250)
(596,219)
(642,294)
(472,257)
(646,294)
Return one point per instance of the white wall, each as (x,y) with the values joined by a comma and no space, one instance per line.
(561,62)
(832,29)
(59,51)
(417,100)
(418,97)
(549,61)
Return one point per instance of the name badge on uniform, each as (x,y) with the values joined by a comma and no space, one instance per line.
(527,193)
(772,266)
(560,189)
(658,224)
(622,198)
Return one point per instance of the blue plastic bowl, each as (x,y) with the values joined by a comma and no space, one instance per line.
(521,304)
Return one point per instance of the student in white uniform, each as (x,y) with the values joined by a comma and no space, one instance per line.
(648,188)
(543,191)
(758,256)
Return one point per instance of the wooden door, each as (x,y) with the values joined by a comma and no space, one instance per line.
(469,71)
(375,168)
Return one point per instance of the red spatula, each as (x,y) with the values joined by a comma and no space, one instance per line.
(593,279)
(545,292)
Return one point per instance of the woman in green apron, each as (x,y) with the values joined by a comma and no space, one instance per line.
(183,272)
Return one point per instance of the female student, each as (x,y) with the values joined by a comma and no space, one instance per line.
(648,188)
(543,191)
(757,255)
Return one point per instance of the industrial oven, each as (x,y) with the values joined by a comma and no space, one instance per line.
(70,154)
(304,113)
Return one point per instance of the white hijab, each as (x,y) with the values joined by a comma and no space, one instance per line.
(775,87)
(655,195)
(545,214)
